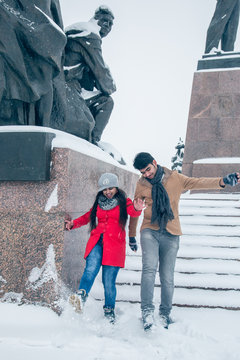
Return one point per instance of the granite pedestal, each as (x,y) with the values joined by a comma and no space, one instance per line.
(213,129)
(42,263)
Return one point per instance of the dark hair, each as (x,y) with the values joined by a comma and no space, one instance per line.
(122,202)
(142,160)
(103,10)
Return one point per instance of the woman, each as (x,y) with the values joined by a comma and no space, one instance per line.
(106,246)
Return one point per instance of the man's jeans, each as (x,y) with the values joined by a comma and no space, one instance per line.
(109,275)
(158,248)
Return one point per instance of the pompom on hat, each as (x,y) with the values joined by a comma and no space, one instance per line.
(107,180)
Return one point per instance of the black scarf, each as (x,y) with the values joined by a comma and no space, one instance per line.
(161,209)
(107,204)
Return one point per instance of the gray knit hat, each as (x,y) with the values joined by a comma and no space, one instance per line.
(107,180)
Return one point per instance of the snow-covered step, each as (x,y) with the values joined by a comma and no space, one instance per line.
(208,281)
(210,220)
(210,230)
(212,196)
(206,240)
(209,203)
(208,266)
(208,252)
(210,211)
(216,266)
(198,251)
(182,297)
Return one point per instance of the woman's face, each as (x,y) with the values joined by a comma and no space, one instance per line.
(110,192)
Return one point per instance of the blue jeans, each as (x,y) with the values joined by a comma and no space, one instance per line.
(159,248)
(109,275)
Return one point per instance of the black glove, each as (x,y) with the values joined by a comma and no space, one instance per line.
(133,244)
(231,179)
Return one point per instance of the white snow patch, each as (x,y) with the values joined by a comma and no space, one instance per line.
(221,160)
(46,273)
(32,332)
(52,200)
(12,297)
(85,28)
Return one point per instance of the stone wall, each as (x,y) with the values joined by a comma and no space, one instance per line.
(40,261)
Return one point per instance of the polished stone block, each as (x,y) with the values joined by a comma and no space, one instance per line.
(213,129)
(25,156)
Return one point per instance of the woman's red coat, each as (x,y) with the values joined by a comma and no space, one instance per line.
(114,242)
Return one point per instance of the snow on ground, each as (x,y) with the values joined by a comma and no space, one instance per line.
(32,332)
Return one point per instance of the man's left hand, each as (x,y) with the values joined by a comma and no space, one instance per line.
(231,179)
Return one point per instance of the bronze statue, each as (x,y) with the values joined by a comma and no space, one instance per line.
(223,26)
(30,58)
(88,79)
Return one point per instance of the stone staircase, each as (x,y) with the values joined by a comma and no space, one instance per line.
(207,272)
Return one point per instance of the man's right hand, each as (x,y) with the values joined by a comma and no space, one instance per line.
(133,243)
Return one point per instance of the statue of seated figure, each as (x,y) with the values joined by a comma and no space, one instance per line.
(88,79)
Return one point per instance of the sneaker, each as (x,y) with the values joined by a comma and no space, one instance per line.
(75,301)
(148,320)
(78,300)
(166,320)
(109,314)
(82,293)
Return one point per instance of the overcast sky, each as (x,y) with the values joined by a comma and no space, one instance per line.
(152,52)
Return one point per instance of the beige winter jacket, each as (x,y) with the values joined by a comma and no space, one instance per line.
(175,184)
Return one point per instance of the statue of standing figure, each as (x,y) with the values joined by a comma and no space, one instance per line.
(32,44)
(223,26)
(88,78)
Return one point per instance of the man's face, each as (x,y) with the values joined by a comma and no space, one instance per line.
(105,22)
(149,171)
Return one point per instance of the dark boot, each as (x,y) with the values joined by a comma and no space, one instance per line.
(109,314)
(148,319)
(166,320)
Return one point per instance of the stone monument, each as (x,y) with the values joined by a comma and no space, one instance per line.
(42,183)
(212,146)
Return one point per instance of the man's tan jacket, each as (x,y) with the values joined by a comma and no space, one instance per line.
(175,184)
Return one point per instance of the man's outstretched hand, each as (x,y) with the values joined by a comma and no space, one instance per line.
(232,179)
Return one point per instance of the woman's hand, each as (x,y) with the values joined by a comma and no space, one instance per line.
(68,224)
(139,204)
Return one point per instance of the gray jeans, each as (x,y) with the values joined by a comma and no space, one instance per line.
(159,248)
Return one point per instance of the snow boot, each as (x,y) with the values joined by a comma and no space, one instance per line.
(109,314)
(78,300)
(165,320)
(148,319)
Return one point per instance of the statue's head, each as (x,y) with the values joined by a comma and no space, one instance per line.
(105,20)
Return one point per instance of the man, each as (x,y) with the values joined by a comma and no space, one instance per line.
(84,63)
(161,189)
(223,26)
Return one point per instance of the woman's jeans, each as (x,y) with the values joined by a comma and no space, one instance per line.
(159,248)
(109,275)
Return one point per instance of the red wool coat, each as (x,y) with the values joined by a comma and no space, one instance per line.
(114,237)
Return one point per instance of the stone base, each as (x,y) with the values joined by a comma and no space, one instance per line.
(40,261)
(213,129)
(219,61)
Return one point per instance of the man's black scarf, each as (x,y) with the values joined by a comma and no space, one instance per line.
(161,209)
